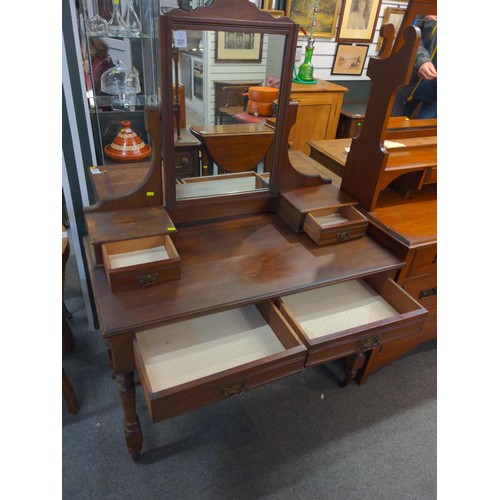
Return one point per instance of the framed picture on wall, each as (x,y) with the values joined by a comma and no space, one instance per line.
(275,13)
(358,19)
(233,46)
(301,11)
(349,59)
(394,16)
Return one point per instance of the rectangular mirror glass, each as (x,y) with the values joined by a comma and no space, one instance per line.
(231,88)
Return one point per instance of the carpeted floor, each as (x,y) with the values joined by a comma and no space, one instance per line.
(300,438)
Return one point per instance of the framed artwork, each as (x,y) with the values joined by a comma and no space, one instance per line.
(349,59)
(394,16)
(231,46)
(275,13)
(358,19)
(301,11)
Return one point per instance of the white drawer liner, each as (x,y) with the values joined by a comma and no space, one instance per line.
(219,186)
(336,218)
(191,349)
(144,256)
(332,309)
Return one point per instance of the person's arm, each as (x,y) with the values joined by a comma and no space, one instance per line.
(423,62)
(427,71)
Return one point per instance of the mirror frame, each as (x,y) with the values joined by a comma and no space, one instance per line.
(222,15)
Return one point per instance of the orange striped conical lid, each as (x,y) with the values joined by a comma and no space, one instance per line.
(127,145)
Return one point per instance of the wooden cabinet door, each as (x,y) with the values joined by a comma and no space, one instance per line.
(317,118)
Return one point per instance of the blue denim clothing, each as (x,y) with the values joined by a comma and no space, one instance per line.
(420,91)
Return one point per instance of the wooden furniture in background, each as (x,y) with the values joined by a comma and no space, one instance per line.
(235,102)
(187,155)
(69,394)
(225,98)
(404,221)
(318,113)
(413,155)
(367,159)
(68,391)
(68,339)
(235,148)
(351,120)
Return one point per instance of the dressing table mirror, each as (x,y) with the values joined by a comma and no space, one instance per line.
(241,45)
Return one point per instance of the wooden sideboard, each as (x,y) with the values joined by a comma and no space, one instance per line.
(318,112)
(408,226)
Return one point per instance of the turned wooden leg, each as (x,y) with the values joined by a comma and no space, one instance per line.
(131,424)
(69,341)
(352,365)
(69,394)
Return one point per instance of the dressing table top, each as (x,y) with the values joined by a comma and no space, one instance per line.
(233,262)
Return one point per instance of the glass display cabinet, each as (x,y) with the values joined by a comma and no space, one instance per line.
(119,41)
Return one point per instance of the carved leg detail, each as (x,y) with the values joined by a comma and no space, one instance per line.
(131,424)
(352,365)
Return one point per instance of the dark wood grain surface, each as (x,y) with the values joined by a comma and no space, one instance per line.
(234,262)
(115,225)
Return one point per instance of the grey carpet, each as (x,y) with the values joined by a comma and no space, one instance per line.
(300,438)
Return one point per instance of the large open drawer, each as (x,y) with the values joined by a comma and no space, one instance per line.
(351,317)
(195,362)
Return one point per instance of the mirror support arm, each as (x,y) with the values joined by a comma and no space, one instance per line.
(177,105)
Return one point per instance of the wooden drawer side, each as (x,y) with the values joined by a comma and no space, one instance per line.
(393,294)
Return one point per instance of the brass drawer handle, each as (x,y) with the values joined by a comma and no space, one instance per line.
(234,390)
(428,293)
(368,343)
(344,235)
(147,279)
(183,163)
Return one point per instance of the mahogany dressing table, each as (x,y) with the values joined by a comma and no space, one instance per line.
(235,317)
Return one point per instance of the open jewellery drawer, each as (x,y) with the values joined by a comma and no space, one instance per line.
(352,317)
(195,362)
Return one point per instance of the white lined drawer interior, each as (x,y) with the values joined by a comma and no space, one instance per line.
(191,349)
(331,309)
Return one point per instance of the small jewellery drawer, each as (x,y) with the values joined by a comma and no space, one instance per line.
(141,262)
(423,289)
(335,225)
(424,262)
(351,317)
(195,362)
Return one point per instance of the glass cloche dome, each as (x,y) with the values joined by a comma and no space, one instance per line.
(118,81)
